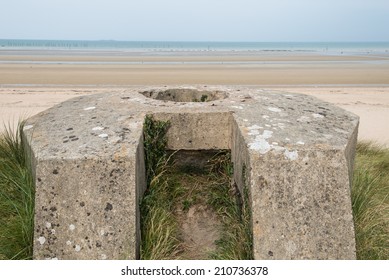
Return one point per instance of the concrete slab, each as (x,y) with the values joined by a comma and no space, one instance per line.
(294,153)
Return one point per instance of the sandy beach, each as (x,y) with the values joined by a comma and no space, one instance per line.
(32,83)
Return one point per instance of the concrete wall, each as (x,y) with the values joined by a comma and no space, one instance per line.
(89,218)
(198,131)
(302,209)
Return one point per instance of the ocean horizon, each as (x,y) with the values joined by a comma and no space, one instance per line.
(177,46)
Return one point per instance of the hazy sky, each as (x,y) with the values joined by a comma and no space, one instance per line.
(196,20)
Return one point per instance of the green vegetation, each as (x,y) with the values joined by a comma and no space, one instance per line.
(158,226)
(236,238)
(370,197)
(203,98)
(16,198)
(155,141)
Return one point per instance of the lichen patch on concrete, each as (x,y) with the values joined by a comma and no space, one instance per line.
(318,116)
(89,108)
(274,109)
(41,240)
(293,155)
(260,145)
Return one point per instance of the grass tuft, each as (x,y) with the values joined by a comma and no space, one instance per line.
(158,226)
(16,197)
(154,141)
(236,238)
(370,198)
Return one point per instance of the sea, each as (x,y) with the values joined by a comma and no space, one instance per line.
(177,46)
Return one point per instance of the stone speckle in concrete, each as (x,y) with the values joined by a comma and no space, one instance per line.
(41,240)
(294,152)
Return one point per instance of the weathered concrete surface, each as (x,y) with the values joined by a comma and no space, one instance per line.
(294,152)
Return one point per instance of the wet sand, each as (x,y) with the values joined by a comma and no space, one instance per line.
(230,68)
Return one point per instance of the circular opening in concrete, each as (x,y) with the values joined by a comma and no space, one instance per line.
(185,95)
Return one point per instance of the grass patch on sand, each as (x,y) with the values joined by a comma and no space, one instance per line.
(370,198)
(16,197)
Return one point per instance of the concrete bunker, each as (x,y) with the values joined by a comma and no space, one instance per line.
(193,141)
(294,152)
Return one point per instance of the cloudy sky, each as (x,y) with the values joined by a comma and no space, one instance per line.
(196,20)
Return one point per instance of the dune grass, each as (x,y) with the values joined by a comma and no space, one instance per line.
(370,198)
(16,197)
(159,228)
(236,241)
